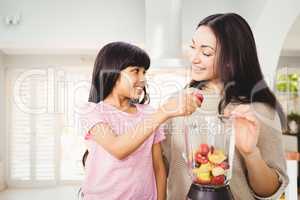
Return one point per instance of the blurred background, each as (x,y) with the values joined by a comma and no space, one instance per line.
(47,50)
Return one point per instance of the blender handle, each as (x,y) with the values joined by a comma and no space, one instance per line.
(187,146)
(185,156)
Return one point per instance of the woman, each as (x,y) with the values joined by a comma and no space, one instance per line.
(225,67)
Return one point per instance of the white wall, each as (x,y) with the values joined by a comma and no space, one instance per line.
(292,42)
(271,29)
(71,23)
(79,26)
(42,61)
(289,61)
(195,10)
(2,122)
(85,25)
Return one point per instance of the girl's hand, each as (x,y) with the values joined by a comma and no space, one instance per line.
(246,128)
(185,103)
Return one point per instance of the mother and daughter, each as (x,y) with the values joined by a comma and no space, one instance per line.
(126,139)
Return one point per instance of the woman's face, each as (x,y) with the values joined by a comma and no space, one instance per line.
(203,54)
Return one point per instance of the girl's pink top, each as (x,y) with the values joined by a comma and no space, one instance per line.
(108,178)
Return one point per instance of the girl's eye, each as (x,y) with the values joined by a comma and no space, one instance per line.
(136,70)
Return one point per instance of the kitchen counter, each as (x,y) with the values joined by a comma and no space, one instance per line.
(292,159)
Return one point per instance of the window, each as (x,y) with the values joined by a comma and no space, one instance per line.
(44,140)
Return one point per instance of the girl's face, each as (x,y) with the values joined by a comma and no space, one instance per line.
(203,55)
(131,82)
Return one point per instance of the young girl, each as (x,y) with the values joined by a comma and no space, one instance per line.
(124,158)
(225,67)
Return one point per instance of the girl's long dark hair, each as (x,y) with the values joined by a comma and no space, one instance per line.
(237,64)
(110,61)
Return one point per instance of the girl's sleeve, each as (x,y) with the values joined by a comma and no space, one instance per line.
(89,117)
(271,146)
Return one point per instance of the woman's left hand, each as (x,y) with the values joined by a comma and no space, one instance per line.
(246,128)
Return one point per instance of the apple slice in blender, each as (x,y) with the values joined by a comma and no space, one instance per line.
(204,149)
(196,171)
(204,178)
(200,158)
(217,171)
(207,167)
(216,157)
(218,180)
(224,165)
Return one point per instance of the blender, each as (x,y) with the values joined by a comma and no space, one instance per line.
(209,141)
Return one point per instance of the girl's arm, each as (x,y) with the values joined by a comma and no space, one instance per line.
(125,144)
(160,172)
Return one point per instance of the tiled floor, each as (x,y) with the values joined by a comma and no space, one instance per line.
(57,193)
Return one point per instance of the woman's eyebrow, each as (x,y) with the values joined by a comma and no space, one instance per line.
(207,46)
(203,46)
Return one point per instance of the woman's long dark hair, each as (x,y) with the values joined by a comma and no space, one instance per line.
(110,61)
(237,64)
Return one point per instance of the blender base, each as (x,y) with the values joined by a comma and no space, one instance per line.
(198,192)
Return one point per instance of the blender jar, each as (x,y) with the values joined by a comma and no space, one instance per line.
(209,152)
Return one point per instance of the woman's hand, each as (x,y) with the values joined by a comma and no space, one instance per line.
(185,103)
(262,178)
(247,129)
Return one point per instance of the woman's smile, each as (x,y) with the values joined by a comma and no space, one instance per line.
(198,69)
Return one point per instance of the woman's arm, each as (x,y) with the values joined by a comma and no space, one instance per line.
(263,179)
(257,133)
(160,171)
